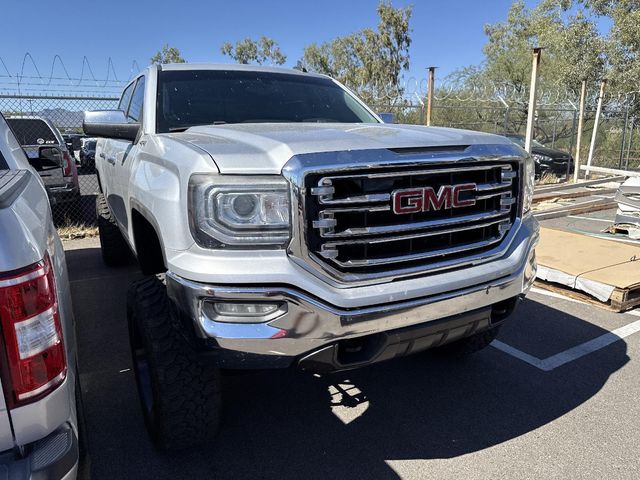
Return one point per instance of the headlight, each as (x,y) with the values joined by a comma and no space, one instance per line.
(541,158)
(529,183)
(239,211)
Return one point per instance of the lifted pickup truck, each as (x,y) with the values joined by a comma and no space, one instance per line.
(282,224)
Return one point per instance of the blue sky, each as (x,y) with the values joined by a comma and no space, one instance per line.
(448,34)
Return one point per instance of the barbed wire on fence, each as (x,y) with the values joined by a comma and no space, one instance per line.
(454,90)
(60,78)
(496,107)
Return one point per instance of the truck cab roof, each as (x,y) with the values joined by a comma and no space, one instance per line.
(232,67)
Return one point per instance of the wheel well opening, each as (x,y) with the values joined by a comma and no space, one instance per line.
(148,246)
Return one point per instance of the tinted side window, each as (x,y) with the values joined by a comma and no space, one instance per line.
(32,132)
(126,96)
(3,163)
(137,100)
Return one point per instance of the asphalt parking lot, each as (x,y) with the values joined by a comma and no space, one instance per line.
(555,397)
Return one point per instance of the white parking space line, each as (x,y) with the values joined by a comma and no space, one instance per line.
(635,313)
(551,363)
(572,354)
(579,217)
(519,354)
(542,291)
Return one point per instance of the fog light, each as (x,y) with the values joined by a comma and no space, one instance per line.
(530,271)
(245,309)
(236,312)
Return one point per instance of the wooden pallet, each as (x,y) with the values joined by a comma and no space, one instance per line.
(621,300)
(585,267)
(625,299)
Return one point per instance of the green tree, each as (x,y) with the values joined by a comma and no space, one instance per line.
(573,47)
(369,61)
(622,42)
(261,51)
(167,55)
(574,51)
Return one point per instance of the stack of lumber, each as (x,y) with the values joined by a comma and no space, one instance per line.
(596,270)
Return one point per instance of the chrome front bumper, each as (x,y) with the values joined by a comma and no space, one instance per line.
(308,324)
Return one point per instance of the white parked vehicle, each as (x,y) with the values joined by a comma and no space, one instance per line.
(289,227)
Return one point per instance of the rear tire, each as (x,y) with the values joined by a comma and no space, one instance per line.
(467,346)
(179,393)
(115,251)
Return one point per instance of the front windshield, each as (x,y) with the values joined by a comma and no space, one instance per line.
(205,97)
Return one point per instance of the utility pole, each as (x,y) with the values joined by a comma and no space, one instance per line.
(583,98)
(432,76)
(595,127)
(531,113)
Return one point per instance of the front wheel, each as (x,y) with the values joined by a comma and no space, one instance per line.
(179,393)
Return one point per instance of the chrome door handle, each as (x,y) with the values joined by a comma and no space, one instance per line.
(111,160)
(101,155)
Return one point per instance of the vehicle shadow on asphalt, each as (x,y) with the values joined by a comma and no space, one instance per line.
(284,424)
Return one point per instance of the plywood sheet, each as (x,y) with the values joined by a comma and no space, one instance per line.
(599,260)
(626,275)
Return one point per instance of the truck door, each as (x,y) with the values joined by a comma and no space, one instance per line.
(118,154)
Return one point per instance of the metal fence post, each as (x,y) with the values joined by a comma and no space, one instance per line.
(624,136)
(532,98)
(506,114)
(595,128)
(573,131)
(506,120)
(583,97)
(631,129)
(432,75)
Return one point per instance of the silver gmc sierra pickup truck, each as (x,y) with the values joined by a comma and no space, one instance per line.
(282,224)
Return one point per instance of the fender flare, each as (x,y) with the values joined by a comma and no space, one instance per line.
(149,217)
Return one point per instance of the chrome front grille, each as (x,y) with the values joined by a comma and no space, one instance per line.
(351,226)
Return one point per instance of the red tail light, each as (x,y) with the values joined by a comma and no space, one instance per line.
(32,332)
(67,164)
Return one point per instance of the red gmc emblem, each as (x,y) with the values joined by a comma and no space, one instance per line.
(413,200)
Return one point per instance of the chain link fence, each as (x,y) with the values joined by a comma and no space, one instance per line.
(617,143)
(70,178)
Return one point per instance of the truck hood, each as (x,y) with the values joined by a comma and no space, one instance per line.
(264,148)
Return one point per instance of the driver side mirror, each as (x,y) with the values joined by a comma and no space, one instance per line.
(109,124)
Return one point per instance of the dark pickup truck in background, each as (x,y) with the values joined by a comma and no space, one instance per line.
(48,155)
